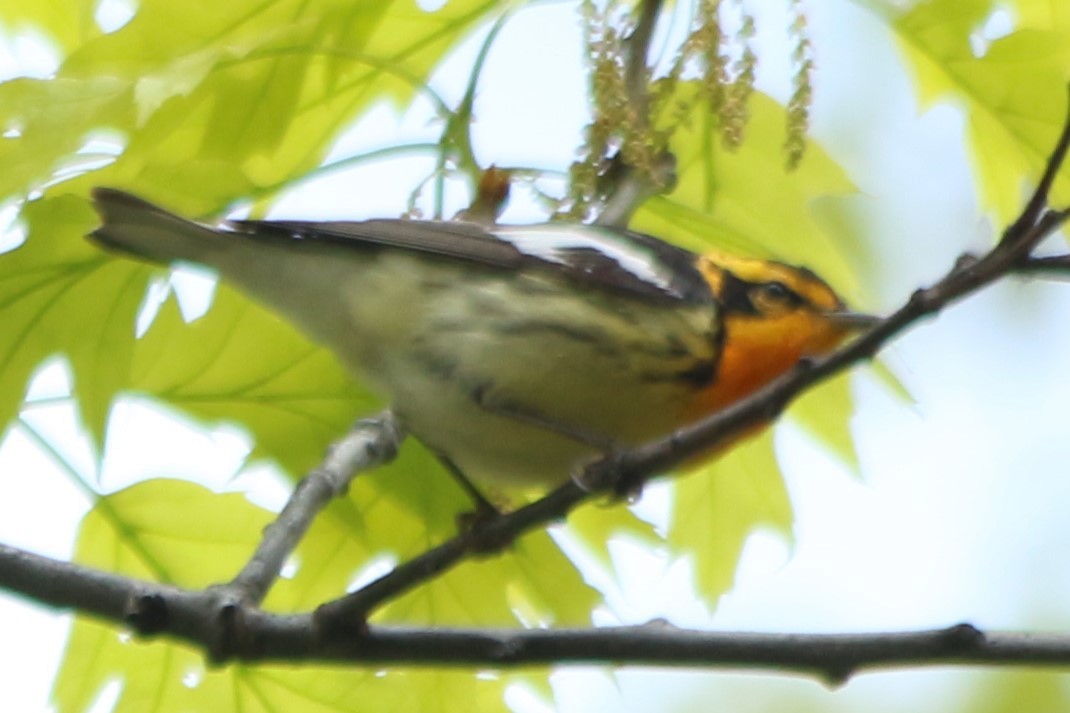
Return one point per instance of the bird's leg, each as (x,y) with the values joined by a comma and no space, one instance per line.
(484,508)
(468,523)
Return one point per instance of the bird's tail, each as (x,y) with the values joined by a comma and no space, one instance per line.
(139,228)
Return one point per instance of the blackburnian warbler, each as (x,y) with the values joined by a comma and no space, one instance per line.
(515,353)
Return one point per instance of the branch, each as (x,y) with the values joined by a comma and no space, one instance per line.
(370,443)
(1057,266)
(635,68)
(625,187)
(192,617)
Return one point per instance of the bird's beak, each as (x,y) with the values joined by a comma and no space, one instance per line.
(855,321)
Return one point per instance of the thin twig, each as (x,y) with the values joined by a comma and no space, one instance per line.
(370,443)
(630,189)
(1056,266)
(636,71)
(625,187)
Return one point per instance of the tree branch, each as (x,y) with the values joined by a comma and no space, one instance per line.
(636,74)
(1046,266)
(192,617)
(626,187)
(370,443)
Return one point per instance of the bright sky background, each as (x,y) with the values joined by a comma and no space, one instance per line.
(958,514)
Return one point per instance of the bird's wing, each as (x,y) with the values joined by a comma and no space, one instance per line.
(607,258)
(619,260)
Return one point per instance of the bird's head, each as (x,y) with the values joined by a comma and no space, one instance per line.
(774,314)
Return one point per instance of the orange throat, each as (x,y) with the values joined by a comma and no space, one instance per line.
(756,352)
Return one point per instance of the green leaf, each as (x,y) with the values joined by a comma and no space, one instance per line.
(234,100)
(60,296)
(1011,691)
(883,373)
(165,531)
(1013,95)
(53,119)
(533,583)
(66,22)
(825,414)
(596,524)
(1042,14)
(264,89)
(317,690)
(717,507)
(180,533)
(241,364)
(170,531)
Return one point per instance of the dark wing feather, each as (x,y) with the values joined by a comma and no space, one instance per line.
(464,241)
(618,260)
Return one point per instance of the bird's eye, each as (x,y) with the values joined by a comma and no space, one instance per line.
(777,291)
(774,297)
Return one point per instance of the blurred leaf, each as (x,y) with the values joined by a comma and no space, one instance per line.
(176,532)
(596,524)
(242,364)
(49,121)
(60,296)
(825,413)
(1013,691)
(310,67)
(1012,89)
(66,22)
(533,582)
(231,101)
(884,374)
(532,577)
(1042,14)
(716,507)
(162,530)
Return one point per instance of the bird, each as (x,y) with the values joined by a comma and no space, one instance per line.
(516,354)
